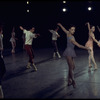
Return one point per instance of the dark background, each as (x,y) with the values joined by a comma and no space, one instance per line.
(45,15)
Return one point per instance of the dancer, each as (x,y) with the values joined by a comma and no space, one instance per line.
(55,35)
(13,40)
(2,72)
(89,44)
(1,42)
(29,35)
(69,52)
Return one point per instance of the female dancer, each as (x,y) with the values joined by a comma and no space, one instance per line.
(13,40)
(69,52)
(55,35)
(29,35)
(89,44)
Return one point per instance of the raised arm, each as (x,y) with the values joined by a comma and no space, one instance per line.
(21,28)
(63,28)
(98,28)
(88,26)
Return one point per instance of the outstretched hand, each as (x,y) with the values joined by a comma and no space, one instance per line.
(21,27)
(98,44)
(86,23)
(58,24)
(37,34)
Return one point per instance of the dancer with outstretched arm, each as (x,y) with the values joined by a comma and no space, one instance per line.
(29,35)
(55,35)
(13,40)
(89,44)
(69,52)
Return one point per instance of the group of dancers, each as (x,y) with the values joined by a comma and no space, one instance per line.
(69,52)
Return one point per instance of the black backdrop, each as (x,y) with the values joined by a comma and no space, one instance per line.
(45,15)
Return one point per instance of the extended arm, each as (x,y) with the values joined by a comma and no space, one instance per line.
(78,45)
(21,28)
(88,26)
(94,39)
(52,31)
(98,28)
(37,35)
(63,28)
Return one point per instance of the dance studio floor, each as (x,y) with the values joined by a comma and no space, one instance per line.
(50,80)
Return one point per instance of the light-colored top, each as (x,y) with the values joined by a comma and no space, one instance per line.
(28,37)
(54,34)
(1,41)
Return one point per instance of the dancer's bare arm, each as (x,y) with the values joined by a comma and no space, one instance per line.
(88,24)
(63,28)
(21,28)
(95,40)
(78,45)
(98,28)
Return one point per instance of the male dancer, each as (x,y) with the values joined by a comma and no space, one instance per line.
(29,35)
(55,35)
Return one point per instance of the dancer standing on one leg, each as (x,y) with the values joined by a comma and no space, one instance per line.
(89,44)
(1,42)
(13,40)
(69,52)
(55,35)
(29,35)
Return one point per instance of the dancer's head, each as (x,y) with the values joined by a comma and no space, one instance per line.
(72,29)
(57,28)
(92,28)
(32,29)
